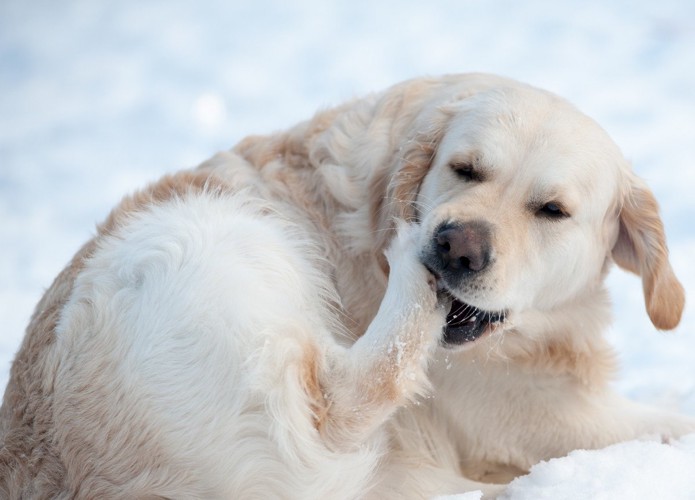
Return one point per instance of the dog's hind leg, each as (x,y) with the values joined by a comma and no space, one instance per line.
(386,367)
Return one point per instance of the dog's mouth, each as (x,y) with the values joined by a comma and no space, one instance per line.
(464,322)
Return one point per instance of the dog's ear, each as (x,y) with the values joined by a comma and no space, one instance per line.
(394,191)
(641,249)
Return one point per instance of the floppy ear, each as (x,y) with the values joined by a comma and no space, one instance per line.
(394,191)
(641,248)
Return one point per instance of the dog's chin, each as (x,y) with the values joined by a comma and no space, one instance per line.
(466,323)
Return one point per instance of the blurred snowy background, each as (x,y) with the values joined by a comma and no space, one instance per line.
(97,98)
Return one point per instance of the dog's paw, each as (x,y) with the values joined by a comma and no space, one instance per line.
(405,242)
(406,270)
(676,427)
(655,425)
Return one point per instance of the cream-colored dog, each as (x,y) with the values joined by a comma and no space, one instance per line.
(395,299)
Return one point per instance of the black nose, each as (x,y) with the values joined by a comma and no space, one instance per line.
(463,248)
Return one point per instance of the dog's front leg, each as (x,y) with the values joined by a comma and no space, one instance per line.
(387,366)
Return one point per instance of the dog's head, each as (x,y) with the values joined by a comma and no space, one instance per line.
(523,204)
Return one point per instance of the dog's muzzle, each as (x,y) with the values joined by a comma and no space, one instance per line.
(458,253)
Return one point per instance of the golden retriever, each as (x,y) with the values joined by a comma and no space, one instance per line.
(400,298)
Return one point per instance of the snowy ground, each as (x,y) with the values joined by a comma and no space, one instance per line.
(97,98)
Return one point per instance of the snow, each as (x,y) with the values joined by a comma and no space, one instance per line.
(471,495)
(97,98)
(634,469)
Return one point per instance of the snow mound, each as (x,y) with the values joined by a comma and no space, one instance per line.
(635,470)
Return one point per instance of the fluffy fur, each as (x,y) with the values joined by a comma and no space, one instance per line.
(264,326)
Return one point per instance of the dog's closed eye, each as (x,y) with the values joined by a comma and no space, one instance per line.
(467,172)
(552,210)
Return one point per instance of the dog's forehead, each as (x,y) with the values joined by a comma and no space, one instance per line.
(531,133)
